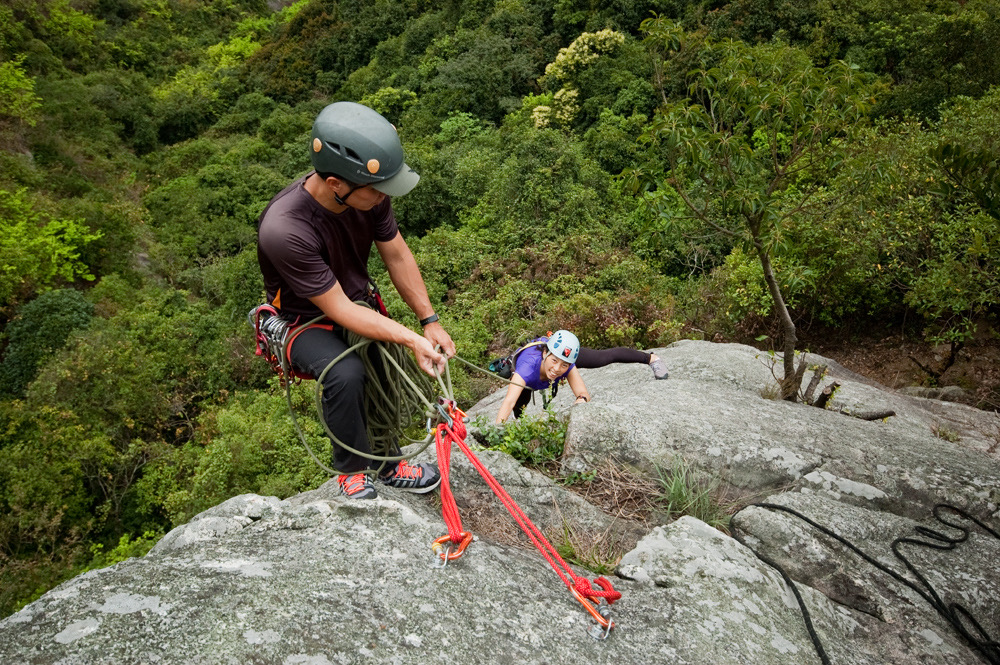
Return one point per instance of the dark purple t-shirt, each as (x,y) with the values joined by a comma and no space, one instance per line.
(304,249)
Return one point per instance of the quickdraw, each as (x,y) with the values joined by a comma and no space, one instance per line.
(275,334)
(596,601)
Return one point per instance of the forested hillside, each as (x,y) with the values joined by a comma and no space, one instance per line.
(632,171)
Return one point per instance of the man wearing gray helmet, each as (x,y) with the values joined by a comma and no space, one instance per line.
(314,240)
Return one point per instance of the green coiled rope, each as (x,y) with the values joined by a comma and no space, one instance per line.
(391,404)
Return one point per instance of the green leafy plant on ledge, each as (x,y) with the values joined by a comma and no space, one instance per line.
(533,440)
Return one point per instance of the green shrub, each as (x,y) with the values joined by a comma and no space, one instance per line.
(232,283)
(247,115)
(126,548)
(530,439)
(211,212)
(41,328)
(39,251)
(247,445)
(141,373)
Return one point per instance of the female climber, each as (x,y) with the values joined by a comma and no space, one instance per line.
(547,360)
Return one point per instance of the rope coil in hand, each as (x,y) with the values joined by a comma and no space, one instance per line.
(391,404)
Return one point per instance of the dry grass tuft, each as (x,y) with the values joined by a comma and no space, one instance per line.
(620,492)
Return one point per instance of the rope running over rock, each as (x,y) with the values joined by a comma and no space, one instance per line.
(964,623)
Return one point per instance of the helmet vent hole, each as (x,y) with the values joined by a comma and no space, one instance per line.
(353,155)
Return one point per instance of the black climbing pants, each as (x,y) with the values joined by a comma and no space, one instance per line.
(343,391)
(593,358)
(522,401)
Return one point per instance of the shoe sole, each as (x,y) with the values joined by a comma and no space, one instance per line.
(416,490)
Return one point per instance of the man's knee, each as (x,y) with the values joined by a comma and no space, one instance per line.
(348,374)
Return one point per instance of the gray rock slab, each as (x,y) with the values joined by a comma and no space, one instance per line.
(897,607)
(341,582)
(318,579)
(711,413)
(351,582)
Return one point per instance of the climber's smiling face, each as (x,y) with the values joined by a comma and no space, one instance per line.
(552,367)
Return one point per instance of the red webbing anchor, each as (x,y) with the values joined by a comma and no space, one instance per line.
(595,601)
(452,546)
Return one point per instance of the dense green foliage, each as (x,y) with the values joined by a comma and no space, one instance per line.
(534,440)
(42,327)
(855,143)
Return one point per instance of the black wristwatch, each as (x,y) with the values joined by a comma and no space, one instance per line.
(429,320)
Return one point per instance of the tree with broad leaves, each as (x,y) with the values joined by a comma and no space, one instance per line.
(754,145)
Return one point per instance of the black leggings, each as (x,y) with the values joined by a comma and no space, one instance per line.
(590,359)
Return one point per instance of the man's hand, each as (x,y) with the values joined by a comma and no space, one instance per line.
(427,358)
(438,336)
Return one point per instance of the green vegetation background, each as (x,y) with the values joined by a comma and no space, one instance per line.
(585,164)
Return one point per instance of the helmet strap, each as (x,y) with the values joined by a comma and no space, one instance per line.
(343,201)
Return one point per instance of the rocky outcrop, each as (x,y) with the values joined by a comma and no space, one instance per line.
(317,579)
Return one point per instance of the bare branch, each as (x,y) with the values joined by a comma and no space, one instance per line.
(817,376)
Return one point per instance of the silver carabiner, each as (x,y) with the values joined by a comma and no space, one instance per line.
(444,415)
(441,557)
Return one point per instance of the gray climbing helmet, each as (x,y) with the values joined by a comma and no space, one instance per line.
(359,145)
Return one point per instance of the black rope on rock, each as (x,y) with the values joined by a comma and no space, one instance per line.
(956,615)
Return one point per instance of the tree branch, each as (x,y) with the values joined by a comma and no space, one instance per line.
(825,396)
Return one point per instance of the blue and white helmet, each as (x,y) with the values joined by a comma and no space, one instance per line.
(564,345)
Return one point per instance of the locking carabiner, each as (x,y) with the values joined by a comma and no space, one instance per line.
(600,611)
(442,547)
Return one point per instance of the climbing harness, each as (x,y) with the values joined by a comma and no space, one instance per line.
(402,400)
(964,623)
(275,334)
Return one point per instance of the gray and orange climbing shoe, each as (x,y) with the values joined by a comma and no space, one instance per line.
(416,478)
(357,486)
(659,369)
